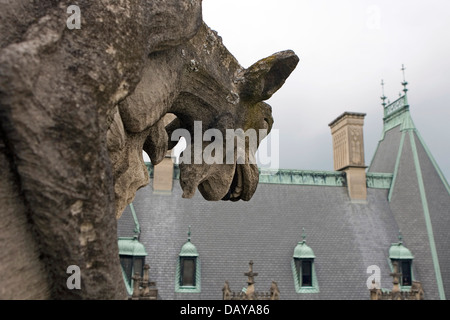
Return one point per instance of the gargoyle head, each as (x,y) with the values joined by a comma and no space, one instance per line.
(217,103)
(224,131)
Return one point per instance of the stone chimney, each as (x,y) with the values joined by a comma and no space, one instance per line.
(348,152)
(163,172)
(163,176)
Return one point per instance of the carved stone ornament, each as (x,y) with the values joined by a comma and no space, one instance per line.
(79,103)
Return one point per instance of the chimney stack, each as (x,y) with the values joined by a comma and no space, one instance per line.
(348,152)
(163,172)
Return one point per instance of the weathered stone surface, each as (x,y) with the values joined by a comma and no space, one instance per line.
(77,107)
(202,81)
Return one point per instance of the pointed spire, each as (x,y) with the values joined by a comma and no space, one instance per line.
(303,235)
(404,83)
(189,234)
(383,97)
(400,237)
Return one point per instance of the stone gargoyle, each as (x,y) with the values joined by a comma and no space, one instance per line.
(78,106)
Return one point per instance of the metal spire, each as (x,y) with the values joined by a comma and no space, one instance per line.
(400,237)
(189,234)
(404,83)
(304,235)
(383,97)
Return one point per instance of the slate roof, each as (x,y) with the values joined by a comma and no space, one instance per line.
(346,237)
(351,237)
(419,200)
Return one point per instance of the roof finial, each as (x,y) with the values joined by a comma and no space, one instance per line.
(400,237)
(404,83)
(303,235)
(383,97)
(189,234)
(250,274)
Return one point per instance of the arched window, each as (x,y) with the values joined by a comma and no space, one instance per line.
(305,278)
(404,258)
(132,254)
(188,268)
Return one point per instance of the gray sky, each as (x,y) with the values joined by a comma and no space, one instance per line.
(345,47)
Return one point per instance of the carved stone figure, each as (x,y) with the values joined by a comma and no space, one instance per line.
(274,291)
(218,93)
(226,291)
(78,106)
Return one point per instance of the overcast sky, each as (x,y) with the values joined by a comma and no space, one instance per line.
(345,47)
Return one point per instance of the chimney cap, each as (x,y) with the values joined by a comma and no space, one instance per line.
(347,113)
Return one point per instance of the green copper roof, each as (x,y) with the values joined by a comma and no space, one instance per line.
(305,177)
(399,251)
(137,227)
(131,247)
(188,249)
(397,112)
(302,250)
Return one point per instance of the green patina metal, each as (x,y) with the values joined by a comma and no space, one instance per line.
(379,180)
(127,285)
(286,176)
(130,246)
(302,177)
(397,163)
(407,122)
(398,251)
(302,250)
(300,289)
(150,170)
(176,172)
(397,114)
(392,108)
(308,177)
(188,250)
(137,227)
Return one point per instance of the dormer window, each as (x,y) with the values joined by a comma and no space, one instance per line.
(305,279)
(132,259)
(403,257)
(304,271)
(405,269)
(132,254)
(188,268)
(187,274)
